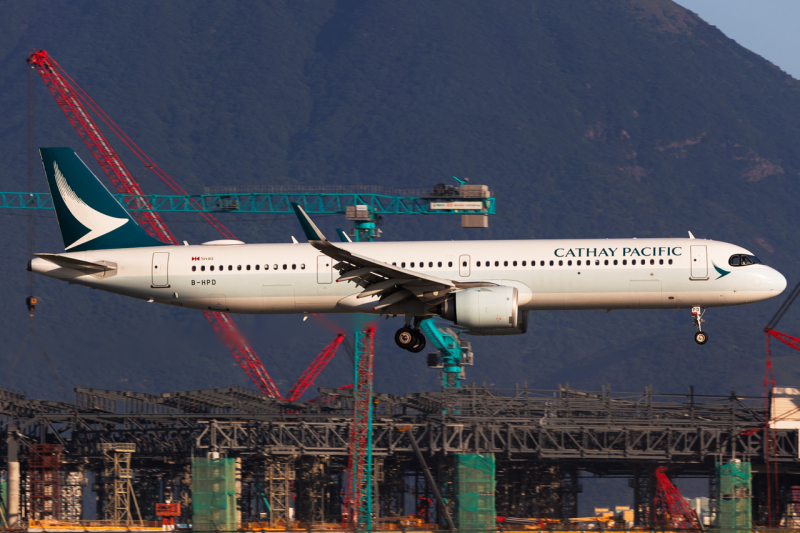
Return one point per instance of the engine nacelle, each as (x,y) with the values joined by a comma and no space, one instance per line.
(521,328)
(483,308)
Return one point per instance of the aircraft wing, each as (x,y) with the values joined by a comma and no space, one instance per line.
(391,283)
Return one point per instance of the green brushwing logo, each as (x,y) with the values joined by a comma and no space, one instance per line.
(722,273)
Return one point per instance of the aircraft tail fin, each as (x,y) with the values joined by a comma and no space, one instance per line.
(89,217)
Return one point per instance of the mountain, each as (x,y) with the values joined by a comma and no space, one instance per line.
(587,119)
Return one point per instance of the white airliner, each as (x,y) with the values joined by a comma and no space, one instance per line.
(483,287)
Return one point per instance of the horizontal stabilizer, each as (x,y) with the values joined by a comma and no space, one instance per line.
(76,264)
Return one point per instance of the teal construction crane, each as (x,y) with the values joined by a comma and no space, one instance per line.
(452,355)
(359,204)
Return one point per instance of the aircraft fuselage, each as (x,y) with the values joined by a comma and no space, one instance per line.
(548,274)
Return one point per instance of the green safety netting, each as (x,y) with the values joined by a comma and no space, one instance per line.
(213,495)
(474,490)
(734,482)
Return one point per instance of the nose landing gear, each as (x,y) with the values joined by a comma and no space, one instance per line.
(701,337)
(410,339)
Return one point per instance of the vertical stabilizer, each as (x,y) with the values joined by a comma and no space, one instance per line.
(90,218)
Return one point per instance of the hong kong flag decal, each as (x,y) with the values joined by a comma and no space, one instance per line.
(195,259)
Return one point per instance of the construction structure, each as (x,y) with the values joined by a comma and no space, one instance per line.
(286,463)
(120,503)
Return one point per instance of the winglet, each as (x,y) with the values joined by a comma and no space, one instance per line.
(690,235)
(309,228)
(344,237)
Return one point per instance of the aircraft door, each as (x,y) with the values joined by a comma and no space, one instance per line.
(699,262)
(160,269)
(464,266)
(324,270)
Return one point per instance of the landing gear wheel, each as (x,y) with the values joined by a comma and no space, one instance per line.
(701,337)
(405,338)
(420,345)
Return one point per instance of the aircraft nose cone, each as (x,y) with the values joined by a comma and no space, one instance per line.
(777,281)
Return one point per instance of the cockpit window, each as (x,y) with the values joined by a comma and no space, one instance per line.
(743,260)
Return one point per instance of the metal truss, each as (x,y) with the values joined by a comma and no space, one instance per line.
(265,202)
(542,425)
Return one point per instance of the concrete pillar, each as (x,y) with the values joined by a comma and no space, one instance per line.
(12,442)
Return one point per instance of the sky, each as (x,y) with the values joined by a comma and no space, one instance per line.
(766,27)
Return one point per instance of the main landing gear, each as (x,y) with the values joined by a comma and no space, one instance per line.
(701,337)
(410,339)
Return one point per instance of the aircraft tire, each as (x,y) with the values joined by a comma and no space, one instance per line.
(701,337)
(421,342)
(405,338)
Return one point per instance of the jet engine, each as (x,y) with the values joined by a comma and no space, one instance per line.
(485,311)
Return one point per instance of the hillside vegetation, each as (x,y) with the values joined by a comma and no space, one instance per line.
(587,119)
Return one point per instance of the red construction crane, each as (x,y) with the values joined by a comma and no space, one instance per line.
(769,384)
(74,102)
(313,370)
(672,509)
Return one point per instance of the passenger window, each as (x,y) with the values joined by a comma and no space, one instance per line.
(478,263)
(284,267)
(248,267)
(275,267)
(203,268)
(670,261)
(542,263)
(497,263)
(403,265)
(579,262)
(258,266)
(660,261)
(633,262)
(606,262)
(230,267)
(615,262)
(430,264)
(561,263)
(440,264)
(597,262)
(505,263)
(524,263)
(266,267)
(551,262)
(624,261)
(412,264)
(652,261)
(569,263)
(238,267)
(294,267)
(450,263)
(211,268)
(394,264)
(194,268)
